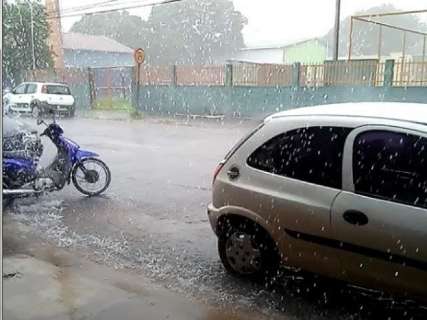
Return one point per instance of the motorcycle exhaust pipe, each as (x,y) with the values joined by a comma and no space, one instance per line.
(19,191)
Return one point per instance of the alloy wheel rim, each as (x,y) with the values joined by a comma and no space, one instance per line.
(243,254)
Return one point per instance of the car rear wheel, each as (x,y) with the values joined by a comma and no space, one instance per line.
(35,110)
(246,250)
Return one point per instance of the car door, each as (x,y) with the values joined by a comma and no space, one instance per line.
(380,218)
(295,176)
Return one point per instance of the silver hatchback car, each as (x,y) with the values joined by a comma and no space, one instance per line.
(337,190)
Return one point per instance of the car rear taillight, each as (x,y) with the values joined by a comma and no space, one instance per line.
(44,89)
(217,170)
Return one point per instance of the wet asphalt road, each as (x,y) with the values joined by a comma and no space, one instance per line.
(153,218)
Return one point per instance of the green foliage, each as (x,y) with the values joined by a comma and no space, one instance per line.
(120,26)
(365,35)
(116,104)
(136,115)
(17,43)
(188,32)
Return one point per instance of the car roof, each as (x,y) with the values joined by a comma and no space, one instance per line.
(48,83)
(410,112)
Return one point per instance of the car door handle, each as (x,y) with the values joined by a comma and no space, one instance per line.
(355,217)
(233,173)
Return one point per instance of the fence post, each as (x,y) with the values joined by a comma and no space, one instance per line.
(388,73)
(134,88)
(91,83)
(174,78)
(228,75)
(296,67)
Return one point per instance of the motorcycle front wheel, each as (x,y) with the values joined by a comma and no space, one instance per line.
(91,176)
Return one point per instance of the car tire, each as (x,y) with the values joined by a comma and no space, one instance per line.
(254,256)
(35,110)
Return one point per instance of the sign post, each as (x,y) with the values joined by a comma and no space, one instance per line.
(139,56)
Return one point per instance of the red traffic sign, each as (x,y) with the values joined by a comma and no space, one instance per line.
(139,55)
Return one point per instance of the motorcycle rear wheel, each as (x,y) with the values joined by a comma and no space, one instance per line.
(91,176)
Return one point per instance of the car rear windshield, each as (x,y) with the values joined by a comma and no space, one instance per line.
(57,89)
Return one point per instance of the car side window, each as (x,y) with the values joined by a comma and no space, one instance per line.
(20,89)
(312,154)
(31,88)
(391,165)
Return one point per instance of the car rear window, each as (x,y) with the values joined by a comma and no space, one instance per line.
(57,89)
(242,141)
(31,88)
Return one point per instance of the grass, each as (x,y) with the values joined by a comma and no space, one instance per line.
(136,115)
(115,104)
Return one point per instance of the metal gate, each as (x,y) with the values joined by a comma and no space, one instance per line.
(111,87)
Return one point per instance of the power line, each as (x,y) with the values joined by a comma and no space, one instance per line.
(83,7)
(115,9)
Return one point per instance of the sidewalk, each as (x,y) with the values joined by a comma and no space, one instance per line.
(178,118)
(37,289)
(104,115)
(44,282)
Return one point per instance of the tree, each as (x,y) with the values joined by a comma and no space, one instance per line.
(17,42)
(365,35)
(120,26)
(195,31)
(188,32)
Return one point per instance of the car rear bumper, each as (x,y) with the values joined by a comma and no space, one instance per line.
(58,108)
(20,108)
(213,215)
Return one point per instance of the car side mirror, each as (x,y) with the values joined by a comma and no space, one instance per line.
(14,91)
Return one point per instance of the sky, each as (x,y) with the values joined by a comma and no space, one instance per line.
(276,22)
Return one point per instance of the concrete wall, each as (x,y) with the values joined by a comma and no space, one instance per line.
(261,101)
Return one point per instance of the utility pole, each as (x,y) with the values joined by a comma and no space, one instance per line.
(55,33)
(337,29)
(32,35)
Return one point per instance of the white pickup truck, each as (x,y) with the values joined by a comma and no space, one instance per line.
(35,97)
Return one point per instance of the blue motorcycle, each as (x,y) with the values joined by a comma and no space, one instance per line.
(21,178)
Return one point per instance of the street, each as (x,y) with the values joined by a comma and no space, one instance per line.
(152,220)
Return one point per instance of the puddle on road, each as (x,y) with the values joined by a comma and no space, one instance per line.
(130,287)
(11,275)
(67,294)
